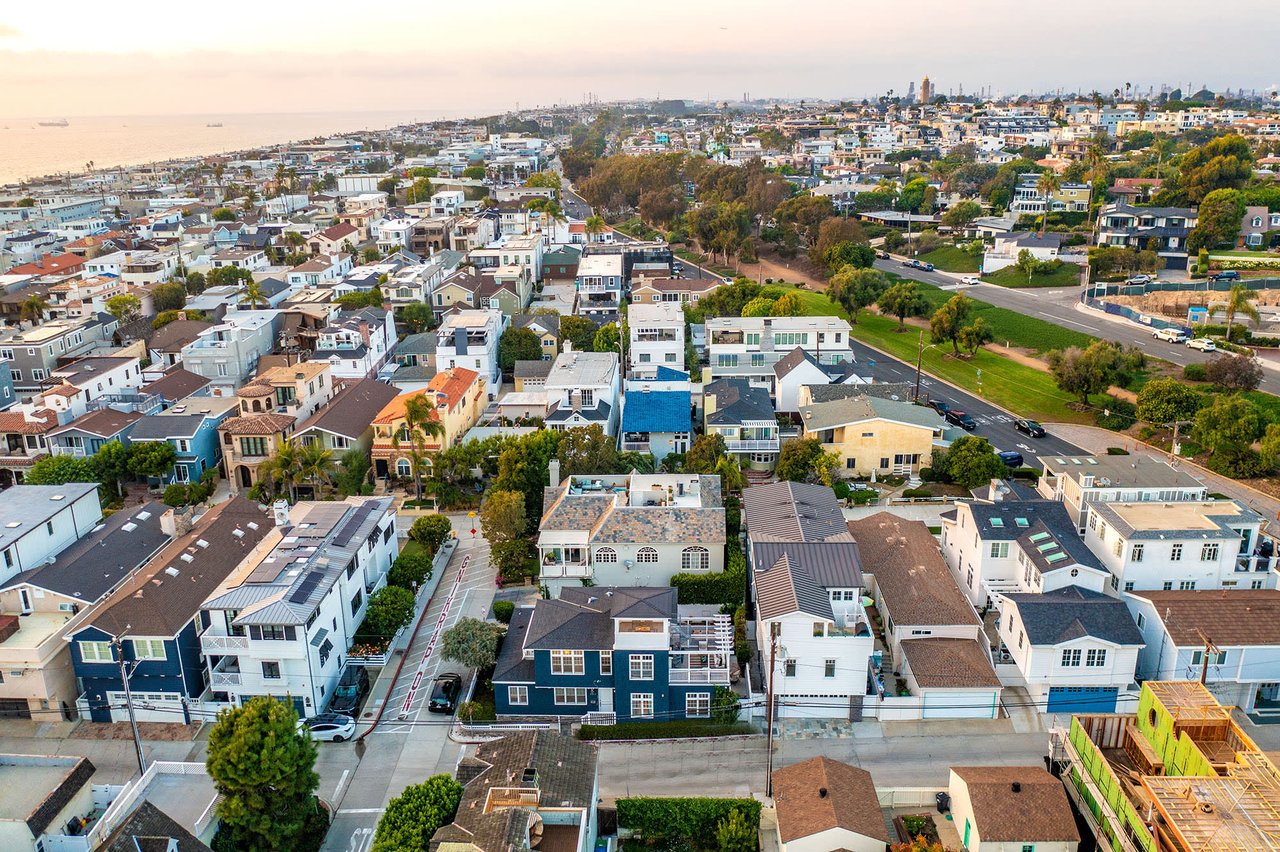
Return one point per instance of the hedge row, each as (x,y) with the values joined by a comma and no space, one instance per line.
(722,587)
(678,729)
(695,819)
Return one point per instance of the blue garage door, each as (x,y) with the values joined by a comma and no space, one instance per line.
(1082,699)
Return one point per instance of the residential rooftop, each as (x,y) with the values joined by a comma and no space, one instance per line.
(1132,471)
(1198,519)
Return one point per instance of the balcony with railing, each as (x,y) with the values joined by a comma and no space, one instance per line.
(225,674)
(564,562)
(702,649)
(635,442)
(212,644)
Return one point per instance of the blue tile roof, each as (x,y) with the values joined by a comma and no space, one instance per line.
(667,374)
(657,411)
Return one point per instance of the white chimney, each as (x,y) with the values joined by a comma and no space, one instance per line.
(280,509)
(553,472)
(997,491)
(175,522)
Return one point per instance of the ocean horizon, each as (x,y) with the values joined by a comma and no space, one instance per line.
(30,150)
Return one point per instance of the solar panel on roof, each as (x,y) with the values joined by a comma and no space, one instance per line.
(306,587)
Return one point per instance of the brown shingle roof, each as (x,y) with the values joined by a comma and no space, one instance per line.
(104,422)
(576,512)
(352,411)
(820,794)
(942,663)
(912,578)
(1225,617)
(179,333)
(661,523)
(1038,812)
(258,424)
(176,383)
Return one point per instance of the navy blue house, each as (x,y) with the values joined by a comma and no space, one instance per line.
(156,618)
(624,653)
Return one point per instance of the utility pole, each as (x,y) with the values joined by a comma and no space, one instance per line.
(919,359)
(1208,648)
(774,630)
(125,673)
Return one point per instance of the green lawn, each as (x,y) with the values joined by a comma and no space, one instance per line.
(1067,275)
(1268,404)
(952,259)
(1014,386)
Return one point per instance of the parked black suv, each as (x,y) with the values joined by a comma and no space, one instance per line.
(959,418)
(353,686)
(444,693)
(1225,275)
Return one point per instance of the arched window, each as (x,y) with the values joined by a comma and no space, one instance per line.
(695,559)
(606,554)
(403,468)
(647,554)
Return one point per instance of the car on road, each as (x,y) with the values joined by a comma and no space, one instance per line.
(883,255)
(1225,275)
(352,687)
(1140,279)
(927,267)
(1170,335)
(727,280)
(939,406)
(1204,344)
(329,727)
(1011,458)
(1029,427)
(959,418)
(971,280)
(444,693)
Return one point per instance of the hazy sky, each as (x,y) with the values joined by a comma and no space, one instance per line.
(86,57)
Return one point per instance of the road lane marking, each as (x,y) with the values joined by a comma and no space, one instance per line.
(435,636)
(1069,322)
(337,791)
(345,811)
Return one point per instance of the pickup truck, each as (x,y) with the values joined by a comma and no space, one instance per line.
(1170,335)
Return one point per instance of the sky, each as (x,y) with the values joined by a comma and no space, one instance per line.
(142,57)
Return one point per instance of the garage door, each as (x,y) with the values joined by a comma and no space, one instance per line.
(960,705)
(14,708)
(1082,699)
(148,707)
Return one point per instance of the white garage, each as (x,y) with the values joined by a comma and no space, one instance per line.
(147,707)
(954,678)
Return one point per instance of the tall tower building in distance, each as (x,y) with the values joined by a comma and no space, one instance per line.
(926,90)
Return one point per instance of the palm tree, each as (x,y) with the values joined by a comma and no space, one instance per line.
(285,468)
(1239,301)
(594,225)
(253,293)
(219,169)
(420,423)
(250,199)
(33,308)
(1143,107)
(1047,185)
(279,180)
(731,476)
(315,464)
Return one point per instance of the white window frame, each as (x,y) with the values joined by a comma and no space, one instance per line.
(647,555)
(518,696)
(568,696)
(606,662)
(695,559)
(697,705)
(999,550)
(568,662)
(92,652)
(146,649)
(638,702)
(1071,658)
(1096,658)
(641,666)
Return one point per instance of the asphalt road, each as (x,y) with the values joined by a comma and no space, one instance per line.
(1058,305)
(994,423)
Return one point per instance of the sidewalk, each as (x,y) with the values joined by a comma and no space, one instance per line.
(1094,439)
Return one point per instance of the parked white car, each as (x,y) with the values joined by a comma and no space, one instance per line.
(1170,335)
(329,727)
(1204,344)
(970,279)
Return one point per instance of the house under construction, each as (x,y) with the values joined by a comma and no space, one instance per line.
(1179,776)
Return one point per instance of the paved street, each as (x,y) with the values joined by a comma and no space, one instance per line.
(403,751)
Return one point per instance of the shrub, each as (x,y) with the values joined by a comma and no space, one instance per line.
(1238,462)
(841,488)
(411,569)
(677,729)
(862,498)
(431,532)
(917,492)
(691,818)
(1194,373)
(721,587)
(177,494)
(503,610)
(927,475)
(1116,415)
(1024,473)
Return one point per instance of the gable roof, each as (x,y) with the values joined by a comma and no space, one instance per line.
(820,794)
(883,390)
(939,662)
(783,588)
(842,412)
(1238,617)
(176,383)
(912,577)
(177,334)
(149,829)
(793,511)
(103,422)
(737,400)
(794,359)
(1071,613)
(1038,812)
(352,409)
(565,624)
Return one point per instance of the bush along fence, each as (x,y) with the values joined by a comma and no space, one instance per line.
(693,819)
(1102,289)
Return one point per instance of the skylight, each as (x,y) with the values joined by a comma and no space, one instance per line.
(129,527)
(1022,522)
(997,522)
(1056,557)
(1047,546)
(1040,536)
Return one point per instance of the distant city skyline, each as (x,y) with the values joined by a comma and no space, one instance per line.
(82,58)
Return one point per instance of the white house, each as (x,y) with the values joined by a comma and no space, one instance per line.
(807,579)
(1076,650)
(1243,626)
(631,529)
(282,622)
(800,368)
(600,282)
(1017,546)
(320,271)
(1008,247)
(356,343)
(657,336)
(1079,480)
(583,387)
(40,521)
(1011,809)
(1189,545)
(447,202)
(470,339)
(823,804)
(748,347)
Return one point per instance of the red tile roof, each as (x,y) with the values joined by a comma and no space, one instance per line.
(51,264)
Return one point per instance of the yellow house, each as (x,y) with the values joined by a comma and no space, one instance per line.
(459,396)
(873,435)
(461,288)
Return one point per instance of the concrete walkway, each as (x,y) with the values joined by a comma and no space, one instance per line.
(1096,440)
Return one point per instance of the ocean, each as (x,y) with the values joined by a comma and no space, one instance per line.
(28,150)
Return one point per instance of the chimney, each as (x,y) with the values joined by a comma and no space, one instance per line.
(553,472)
(280,509)
(1016,787)
(176,522)
(568,345)
(997,492)
(364,331)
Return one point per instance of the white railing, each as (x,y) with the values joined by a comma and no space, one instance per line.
(220,680)
(635,446)
(217,643)
(566,569)
(762,445)
(710,675)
